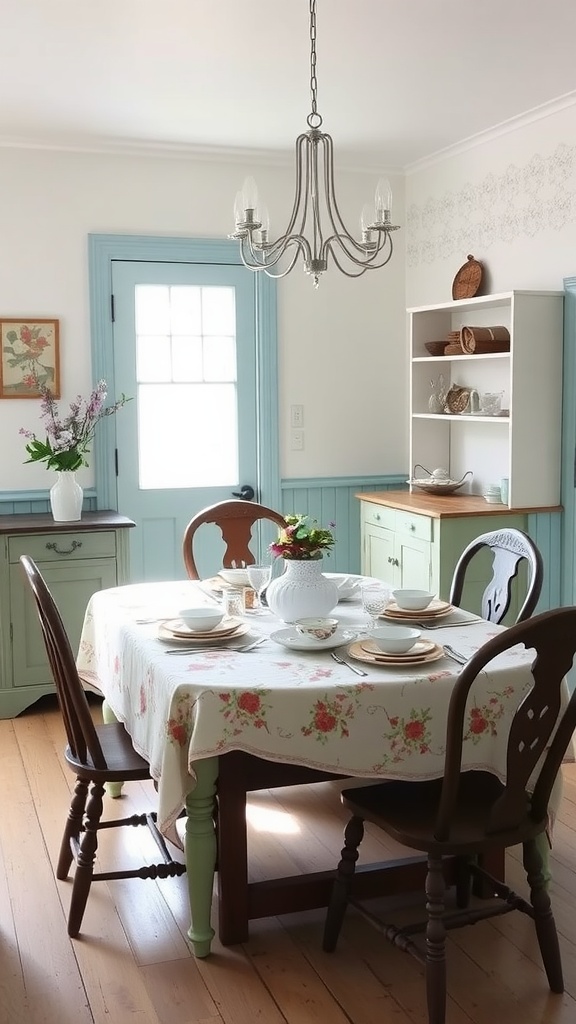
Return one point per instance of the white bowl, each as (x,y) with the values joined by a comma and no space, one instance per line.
(493,497)
(395,639)
(412,600)
(316,629)
(201,619)
(235,577)
(347,585)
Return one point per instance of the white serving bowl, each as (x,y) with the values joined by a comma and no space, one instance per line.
(395,639)
(316,629)
(412,600)
(347,585)
(235,577)
(201,619)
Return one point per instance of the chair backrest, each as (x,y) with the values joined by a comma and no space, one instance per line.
(509,548)
(235,520)
(80,732)
(553,637)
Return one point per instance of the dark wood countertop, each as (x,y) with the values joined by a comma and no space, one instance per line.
(441,506)
(42,522)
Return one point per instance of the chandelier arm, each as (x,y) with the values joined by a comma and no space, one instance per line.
(369,263)
(347,273)
(258,259)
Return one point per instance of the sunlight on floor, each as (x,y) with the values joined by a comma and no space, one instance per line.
(265,820)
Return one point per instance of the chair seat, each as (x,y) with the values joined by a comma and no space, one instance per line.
(123,763)
(408,812)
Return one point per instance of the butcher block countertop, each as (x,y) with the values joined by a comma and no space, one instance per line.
(444,506)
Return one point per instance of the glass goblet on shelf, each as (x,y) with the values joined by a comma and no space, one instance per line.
(259,577)
(375,599)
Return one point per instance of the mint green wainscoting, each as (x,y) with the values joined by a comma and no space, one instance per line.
(332,499)
(15,503)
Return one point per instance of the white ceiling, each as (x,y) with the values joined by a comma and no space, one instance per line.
(398,80)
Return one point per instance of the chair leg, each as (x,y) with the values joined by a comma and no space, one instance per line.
(353,835)
(73,828)
(543,916)
(435,942)
(463,882)
(85,859)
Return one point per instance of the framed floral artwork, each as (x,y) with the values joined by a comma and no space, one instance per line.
(29,357)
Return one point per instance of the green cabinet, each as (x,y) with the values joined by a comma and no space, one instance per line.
(76,560)
(414,541)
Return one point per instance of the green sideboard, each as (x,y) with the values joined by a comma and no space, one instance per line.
(76,560)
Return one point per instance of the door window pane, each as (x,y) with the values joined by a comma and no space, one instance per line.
(186,382)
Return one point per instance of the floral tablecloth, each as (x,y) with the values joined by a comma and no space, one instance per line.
(286,705)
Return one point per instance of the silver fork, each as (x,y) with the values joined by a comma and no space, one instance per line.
(352,668)
(436,625)
(203,650)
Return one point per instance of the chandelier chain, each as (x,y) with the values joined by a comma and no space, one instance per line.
(314,119)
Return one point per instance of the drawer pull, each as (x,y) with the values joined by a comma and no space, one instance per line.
(412,526)
(377,517)
(54,547)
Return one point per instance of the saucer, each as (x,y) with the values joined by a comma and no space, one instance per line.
(358,652)
(190,637)
(288,638)
(435,610)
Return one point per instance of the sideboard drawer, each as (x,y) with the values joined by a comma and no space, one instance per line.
(414,525)
(379,515)
(51,547)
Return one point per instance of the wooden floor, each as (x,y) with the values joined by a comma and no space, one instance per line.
(132,964)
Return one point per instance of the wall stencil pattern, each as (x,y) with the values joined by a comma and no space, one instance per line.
(520,202)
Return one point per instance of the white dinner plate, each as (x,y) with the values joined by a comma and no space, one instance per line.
(290,638)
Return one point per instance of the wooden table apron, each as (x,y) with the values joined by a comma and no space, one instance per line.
(126,661)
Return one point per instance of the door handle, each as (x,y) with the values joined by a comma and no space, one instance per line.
(246,493)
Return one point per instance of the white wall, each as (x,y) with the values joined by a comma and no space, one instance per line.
(342,347)
(510,200)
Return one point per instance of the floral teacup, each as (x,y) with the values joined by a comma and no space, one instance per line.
(316,629)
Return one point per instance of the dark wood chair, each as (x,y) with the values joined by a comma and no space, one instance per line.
(97,754)
(509,548)
(465,814)
(235,519)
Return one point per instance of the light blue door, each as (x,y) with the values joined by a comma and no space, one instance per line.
(184,348)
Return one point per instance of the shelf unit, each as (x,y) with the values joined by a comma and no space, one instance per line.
(524,443)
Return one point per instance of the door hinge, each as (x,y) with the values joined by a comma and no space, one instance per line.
(11,632)
(112,314)
(116,461)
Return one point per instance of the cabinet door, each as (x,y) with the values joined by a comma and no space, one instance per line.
(72,586)
(414,559)
(378,554)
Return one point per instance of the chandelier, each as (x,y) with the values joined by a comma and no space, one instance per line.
(316,230)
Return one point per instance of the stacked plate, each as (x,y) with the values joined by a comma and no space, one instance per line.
(421,653)
(176,631)
(435,610)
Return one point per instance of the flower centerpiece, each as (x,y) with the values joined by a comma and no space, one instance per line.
(67,444)
(300,539)
(302,590)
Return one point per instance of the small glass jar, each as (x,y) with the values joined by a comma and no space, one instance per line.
(233,600)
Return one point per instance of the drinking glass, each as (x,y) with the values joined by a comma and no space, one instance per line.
(375,598)
(259,578)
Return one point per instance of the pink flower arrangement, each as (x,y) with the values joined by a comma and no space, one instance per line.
(300,539)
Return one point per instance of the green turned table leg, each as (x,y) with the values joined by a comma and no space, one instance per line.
(201,853)
(113,789)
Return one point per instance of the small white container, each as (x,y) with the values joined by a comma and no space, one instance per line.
(395,639)
(201,619)
(412,600)
(235,577)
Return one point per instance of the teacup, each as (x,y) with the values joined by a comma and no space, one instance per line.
(316,629)
(395,639)
(201,619)
(412,600)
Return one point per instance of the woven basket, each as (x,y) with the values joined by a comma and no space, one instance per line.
(492,339)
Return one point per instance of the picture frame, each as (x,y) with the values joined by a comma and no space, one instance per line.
(29,353)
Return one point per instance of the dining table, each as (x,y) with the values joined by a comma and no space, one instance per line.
(215,722)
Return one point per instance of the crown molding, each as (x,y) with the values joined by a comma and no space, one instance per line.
(512,124)
(349,160)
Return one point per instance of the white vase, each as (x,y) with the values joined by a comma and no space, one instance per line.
(66,498)
(301,591)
